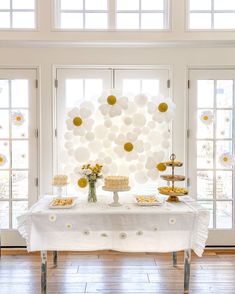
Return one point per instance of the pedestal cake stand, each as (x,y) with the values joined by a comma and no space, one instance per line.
(115,202)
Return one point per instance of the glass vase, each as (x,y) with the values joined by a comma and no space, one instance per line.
(92,192)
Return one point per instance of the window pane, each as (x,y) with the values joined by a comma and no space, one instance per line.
(204,131)
(18,208)
(204,185)
(20,154)
(224,5)
(93,88)
(96,5)
(224,20)
(74,92)
(4,214)
(19,184)
(204,154)
(128,21)
(96,21)
(152,4)
(222,147)
(71,4)
(23,4)
(19,129)
(4,20)
(19,93)
(4,124)
(4,4)
(150,87)
(4,153)
(224,93)
(224,184)
(129,85)
(208,205)
(200,4)
(4,93)
(224,124)
(200,21)
(152,21)
(127,5)
(4,184)
(23,20)
(205,95)
(224,215)
(71,20)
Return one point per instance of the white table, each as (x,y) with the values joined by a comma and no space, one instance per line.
(130,228)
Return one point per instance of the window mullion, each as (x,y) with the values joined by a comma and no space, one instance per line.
(140,14)
(212,14)
(112,14)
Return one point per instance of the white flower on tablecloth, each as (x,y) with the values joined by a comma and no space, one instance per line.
(123,235)
(104,235)
(161,109)
(79,121)
(86,232)
(128,146)
(52,217)
(172,221)
(207,117)
(18,118)
(3,159)
(139,233)
(112,103)
(69,226)
(155,229)
(226,159)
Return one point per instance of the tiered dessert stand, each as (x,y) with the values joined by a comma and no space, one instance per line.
(173,195)
(115,202)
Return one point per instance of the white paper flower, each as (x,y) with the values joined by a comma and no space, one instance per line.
(3,159)
(161,109)
(112,103)
(18,118)
(206,117)
(79,121)
(226,159)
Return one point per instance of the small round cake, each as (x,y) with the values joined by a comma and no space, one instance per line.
(60,180)
(116,182)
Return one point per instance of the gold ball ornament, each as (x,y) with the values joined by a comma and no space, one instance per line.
(161,166)
(163,107)
(128,147)
(111,99)
(77,121)
(82,182)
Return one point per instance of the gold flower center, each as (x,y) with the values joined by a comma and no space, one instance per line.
(205,117)
(18,118)
(128,147)
(77,121)
(225,159)
(111,99)
(163,107)
(82,182)
(1,159)
(161,166)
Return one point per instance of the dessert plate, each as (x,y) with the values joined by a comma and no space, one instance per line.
(63,202)
(149,200)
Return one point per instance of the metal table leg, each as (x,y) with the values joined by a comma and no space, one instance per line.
(174,257)
(43,272)
(55,258)
(187,260)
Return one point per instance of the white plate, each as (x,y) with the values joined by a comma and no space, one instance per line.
(157,203)
(60,206)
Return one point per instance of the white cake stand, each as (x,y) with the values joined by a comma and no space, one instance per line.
(115,202)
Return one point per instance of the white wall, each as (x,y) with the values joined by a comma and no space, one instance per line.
(178,58)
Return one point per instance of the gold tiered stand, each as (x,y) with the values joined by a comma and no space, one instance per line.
(172,191)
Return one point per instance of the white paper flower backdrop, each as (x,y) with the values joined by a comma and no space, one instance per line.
(129,136)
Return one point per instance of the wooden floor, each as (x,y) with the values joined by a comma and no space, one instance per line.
(110,272)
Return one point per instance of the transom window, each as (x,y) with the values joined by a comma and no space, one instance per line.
(112,14)
(17,14)
(212,14)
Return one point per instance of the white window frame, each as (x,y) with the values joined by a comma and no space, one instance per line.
(112,16)
(212,11)
(217,236)
(11,10)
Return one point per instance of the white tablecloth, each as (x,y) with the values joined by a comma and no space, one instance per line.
(129,228)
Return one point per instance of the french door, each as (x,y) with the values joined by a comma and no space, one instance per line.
(18,149)
(211,136)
